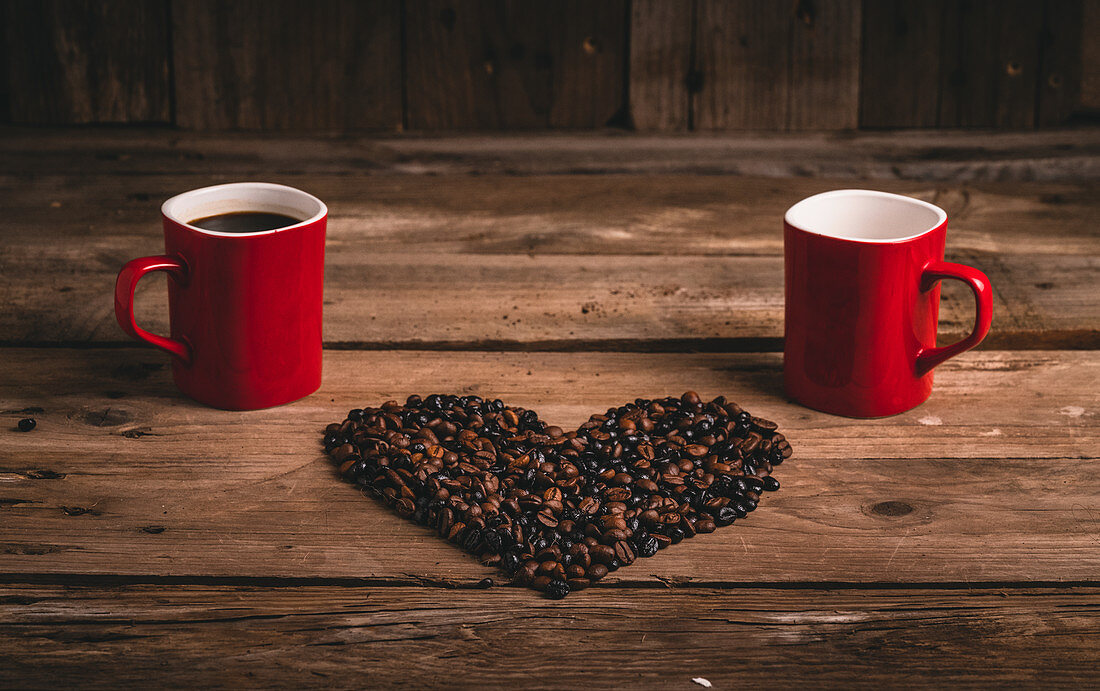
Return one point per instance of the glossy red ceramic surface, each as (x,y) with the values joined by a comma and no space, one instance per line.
(245,309)
(861,318)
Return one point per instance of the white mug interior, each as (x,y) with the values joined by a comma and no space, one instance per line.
(236,197)
(865,216)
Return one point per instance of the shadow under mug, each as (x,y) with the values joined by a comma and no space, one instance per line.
(862,301)
(244,308)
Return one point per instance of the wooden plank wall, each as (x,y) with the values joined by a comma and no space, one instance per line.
(651,65)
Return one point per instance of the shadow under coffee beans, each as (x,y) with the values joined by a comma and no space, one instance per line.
(558,510)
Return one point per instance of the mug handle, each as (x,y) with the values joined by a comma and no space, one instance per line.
(125,286)
(935,271)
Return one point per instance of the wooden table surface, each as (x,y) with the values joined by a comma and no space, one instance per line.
(148,540)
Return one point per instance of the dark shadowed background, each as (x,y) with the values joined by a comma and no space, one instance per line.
(650,65)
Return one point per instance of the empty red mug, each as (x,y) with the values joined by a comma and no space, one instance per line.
(244,308)
(862,301)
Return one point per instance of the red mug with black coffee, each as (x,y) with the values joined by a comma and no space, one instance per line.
(245,264)
(863,270)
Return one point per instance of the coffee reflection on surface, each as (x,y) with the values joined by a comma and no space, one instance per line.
(244,222)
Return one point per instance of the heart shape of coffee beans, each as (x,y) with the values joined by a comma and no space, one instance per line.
(558,510)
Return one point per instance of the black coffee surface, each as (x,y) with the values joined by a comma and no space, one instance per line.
(245,222)
(555,509)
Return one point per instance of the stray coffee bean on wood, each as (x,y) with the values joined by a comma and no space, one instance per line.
(559,510)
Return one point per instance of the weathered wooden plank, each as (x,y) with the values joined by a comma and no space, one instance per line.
(564,262)
(281,64)
(824,65)
(1018,51)
(75,61)
(510,64)
(742,50)
(559,215)
(138,636)
(660,59)
(1090,55)
(959,156)
(545,302)
(778,66)
(989,63)
(1060,50)
(900,65)
(124,476)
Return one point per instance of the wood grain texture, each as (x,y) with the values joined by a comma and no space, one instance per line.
(287,65)
(1090,56)
(505,64)
(780,66)
(1060,62)
(642,263)
(960,156)
(900,65)
(742,52)
(989,64)
(137,636)
(824,65)
(76,61)
(125,476)
(660,59)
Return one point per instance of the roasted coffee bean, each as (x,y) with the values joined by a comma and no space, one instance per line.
(624,552)
(613,522)
(557,589)
(27,424)
(525,573)
(612,536)
(472,541)
(596,572)
(764,425)
(485,583)
(688,526)
(549,553)
(589,505)
(547,518)
(754,484)
(617,494)
(724,516)
(602,554)
(509,562)
(493,541)
(551,506)
(648,547)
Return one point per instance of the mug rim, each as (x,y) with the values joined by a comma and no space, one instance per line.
(941,215)
(168,211)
